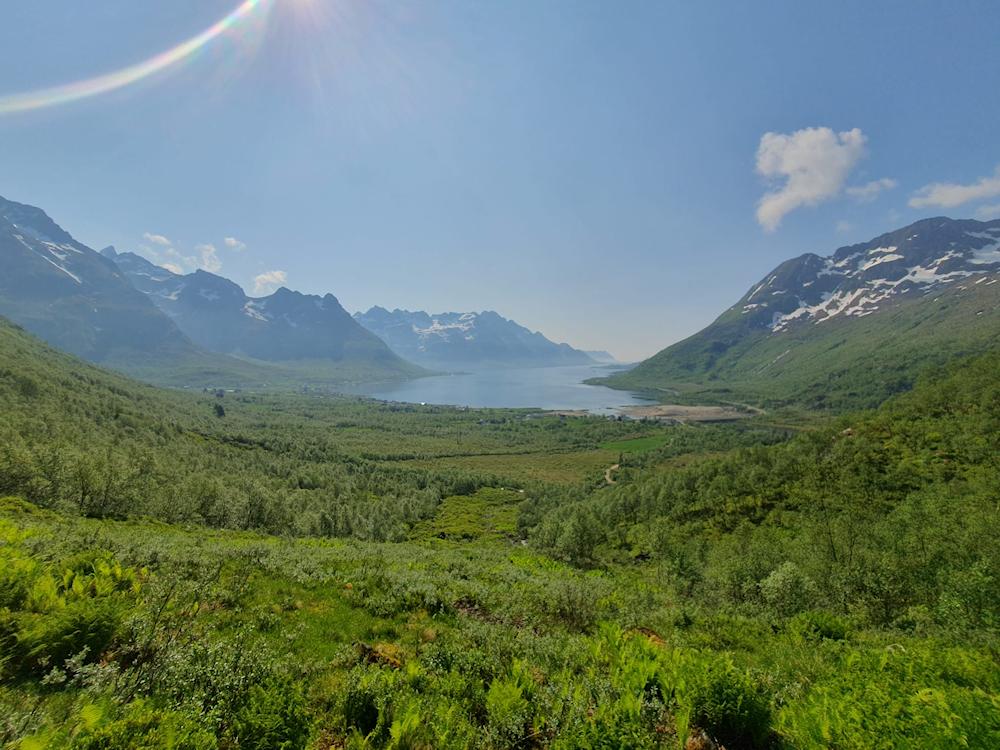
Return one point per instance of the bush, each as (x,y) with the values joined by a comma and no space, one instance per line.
(787,590)
(145,727)
(367,706)
(85,627)
(731,708)
(508,706)
(819,625)
(16,574)
(273,717)
(212,679)
(573,603)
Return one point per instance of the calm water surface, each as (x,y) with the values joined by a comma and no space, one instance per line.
(541,387)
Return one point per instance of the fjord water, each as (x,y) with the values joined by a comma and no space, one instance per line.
(541,387)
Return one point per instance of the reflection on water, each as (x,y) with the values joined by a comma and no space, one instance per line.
(541,387)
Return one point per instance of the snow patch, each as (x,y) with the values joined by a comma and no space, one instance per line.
(882,259)
(251,310)
(986,254)
(64,270)
(465,323)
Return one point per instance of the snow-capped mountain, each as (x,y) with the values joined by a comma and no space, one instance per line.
(466,340)
(72,297)
(281,327)
(847,329)
(860,280)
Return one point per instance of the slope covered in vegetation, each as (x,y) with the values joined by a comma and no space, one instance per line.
(838,365)
(848,330)
(889,516)
(75,437)
(836,589)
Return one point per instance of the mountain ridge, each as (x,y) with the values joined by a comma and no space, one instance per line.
(71,296)
(466,339)
(103,307)
(284,328)
(906,299)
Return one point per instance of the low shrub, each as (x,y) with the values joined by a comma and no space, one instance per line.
(508,706)
(819,625)
(788,591)
(367,706)
(87,626)
(273,716)
(143,726)
(731,707)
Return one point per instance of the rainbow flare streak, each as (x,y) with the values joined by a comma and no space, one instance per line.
(71,92)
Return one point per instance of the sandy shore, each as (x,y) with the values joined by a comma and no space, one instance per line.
(685,413)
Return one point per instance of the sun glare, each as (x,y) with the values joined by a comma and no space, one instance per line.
(235,22)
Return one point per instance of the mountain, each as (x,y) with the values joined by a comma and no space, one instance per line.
(847,329)
(289,328)
(466,340)
(601,356)
(77,300)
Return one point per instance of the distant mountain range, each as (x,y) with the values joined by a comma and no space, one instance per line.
(199,329)
(77,300)
(283,327)
(467,340)
(834,332)
(601,356)
(846,329)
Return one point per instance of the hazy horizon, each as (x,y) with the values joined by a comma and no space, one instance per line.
(612,176)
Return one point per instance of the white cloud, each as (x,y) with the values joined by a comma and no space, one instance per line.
(157,239)
(986,213)
(166,255)
(811,164)
(869,191)
(844,226)
(267,282)
(951,194)
(208,259)
(234,244)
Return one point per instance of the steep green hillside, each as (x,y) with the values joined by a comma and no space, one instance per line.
(838,364)
(844,331)
(890,515)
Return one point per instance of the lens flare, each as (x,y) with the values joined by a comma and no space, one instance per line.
(103,84)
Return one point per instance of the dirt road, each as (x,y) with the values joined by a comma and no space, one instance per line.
(607,474)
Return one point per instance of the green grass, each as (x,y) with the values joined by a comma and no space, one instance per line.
(637,445)
(489,513)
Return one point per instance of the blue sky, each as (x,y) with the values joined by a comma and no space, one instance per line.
(596,170)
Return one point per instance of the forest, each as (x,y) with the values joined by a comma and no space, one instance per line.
(245,570)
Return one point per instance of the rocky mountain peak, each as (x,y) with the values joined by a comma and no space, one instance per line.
(861,279)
